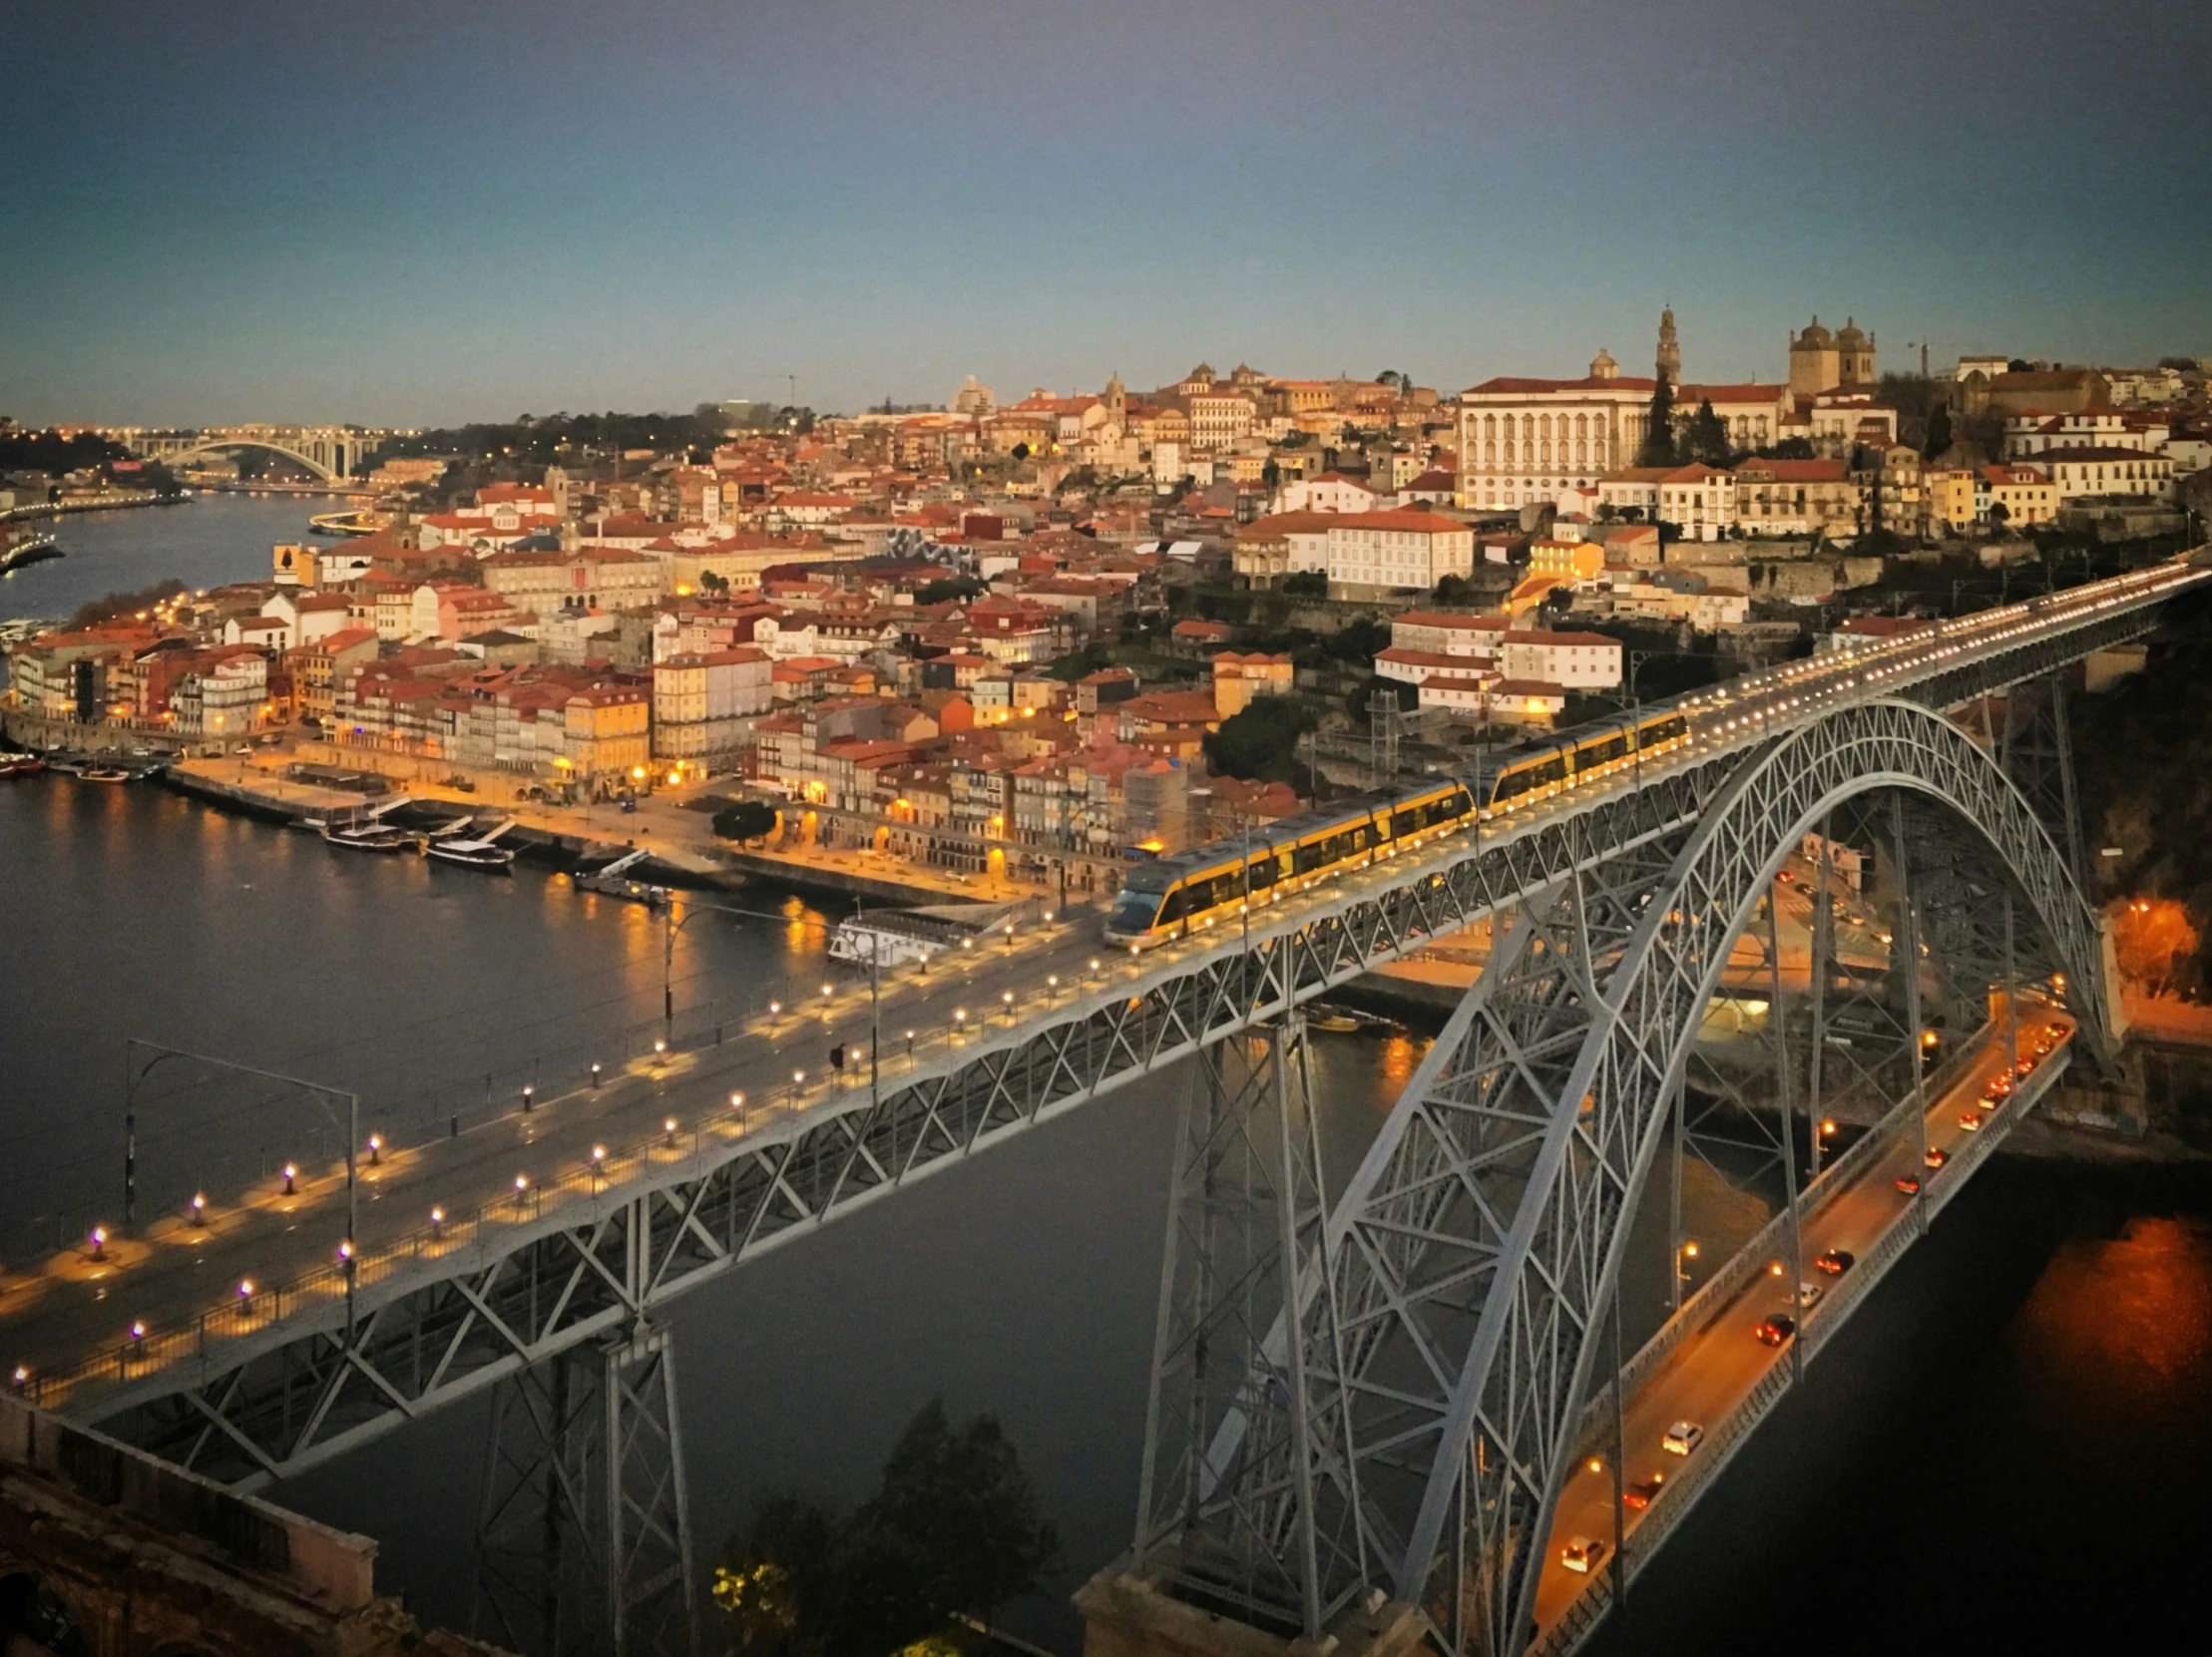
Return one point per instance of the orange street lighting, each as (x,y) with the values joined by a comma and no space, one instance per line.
(22,1376)
(137,1329)
(291,1178)
(1690,1251)
(100,1242)
(376,1150)
(437,1222)
(345,1253)
(1828,1129)
(797,1076)
(199,1208)
(668,1127)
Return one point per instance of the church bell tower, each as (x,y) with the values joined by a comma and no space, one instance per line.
(1671,351)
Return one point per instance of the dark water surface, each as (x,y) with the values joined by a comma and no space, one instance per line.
(2010,1448)
(206,541)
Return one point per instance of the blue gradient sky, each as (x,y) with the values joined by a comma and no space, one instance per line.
(397,212)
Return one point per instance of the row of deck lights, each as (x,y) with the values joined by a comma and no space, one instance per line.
(348,1256)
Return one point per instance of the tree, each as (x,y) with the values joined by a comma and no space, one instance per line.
(1658,447)
(2000,515)
(1938,432)
(952,1530)
(712,583)
(1453,590)
(747,820)
(1306,584)
(1260,744)
(948,589)
(1706,437)
(1406,696)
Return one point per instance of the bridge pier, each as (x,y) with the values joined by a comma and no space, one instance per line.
(584,1535)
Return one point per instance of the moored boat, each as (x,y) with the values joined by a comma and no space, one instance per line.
(21,765)
(369,837)
(476,852)
(103,773)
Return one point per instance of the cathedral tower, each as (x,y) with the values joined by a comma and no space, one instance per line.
(1671,351)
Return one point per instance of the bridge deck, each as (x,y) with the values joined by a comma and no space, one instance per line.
(1706,1366)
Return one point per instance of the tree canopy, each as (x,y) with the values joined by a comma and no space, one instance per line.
(1658,447)
(1260,744)
(745,820)
(1704,437)
(952,1530)
(949,588)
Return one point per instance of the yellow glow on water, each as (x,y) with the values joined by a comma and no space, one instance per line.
(2126,1321)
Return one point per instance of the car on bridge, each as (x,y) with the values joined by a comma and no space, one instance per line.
(1774,1328)
(1970,1120)
(1936,1157)
(1908,1184)
(1642,1492)
(1835,1262)
(1582,1554)
(1682,1438)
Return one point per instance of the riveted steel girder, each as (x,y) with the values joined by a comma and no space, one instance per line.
(1478,1243)
(275,1400)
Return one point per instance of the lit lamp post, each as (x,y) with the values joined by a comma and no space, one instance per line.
(1682,1258)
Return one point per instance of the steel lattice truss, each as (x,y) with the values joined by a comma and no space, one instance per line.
(266,1406)
(1482,1235)
(305,1392)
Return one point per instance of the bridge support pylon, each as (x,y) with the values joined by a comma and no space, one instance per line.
(583,1537)
(1245,1500)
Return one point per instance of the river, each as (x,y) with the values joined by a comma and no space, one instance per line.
(2008,1447)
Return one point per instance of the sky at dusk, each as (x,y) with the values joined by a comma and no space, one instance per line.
(391,212)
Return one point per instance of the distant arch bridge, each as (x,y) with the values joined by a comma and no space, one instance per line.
(332,453)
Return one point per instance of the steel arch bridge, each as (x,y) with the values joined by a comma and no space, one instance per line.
(1413,1441)
(220,445)
(1445,1310)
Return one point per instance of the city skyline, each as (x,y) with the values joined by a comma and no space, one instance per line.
(395,217)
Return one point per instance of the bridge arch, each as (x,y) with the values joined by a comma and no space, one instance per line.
(1640,960)
(217,444)
(1479,1241)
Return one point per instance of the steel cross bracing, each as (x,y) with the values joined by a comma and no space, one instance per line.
(278,1400)
(298,1393)
(1479,1239)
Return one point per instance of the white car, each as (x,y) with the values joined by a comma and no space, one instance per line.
(1682,1438)
(1808,1296)
(1582,1554)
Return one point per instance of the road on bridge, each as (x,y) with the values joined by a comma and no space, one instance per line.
(1717,1366)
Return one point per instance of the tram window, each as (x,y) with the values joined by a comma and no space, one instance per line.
(1176,907)
(1264,873)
